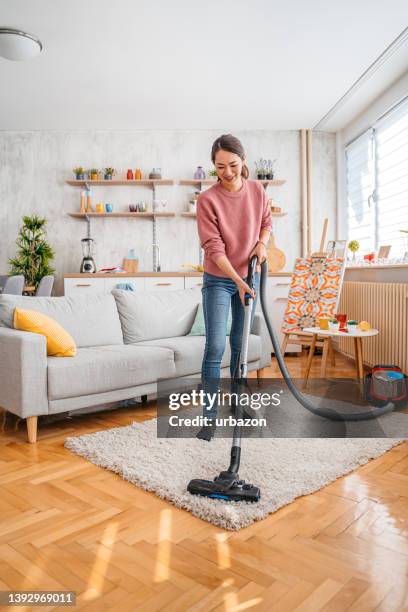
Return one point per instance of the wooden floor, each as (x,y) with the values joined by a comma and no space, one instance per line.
(66,524)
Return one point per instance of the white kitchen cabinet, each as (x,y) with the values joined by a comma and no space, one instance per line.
(87,286)
(164,283)
(138,283)
(83,286)
(193,281)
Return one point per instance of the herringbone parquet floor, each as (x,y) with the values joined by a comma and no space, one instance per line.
(66,524)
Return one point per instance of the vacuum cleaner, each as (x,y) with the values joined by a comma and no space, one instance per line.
(228,485)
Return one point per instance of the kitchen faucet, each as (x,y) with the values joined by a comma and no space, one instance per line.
(156,266)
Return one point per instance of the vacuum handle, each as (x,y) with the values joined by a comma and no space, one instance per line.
(251,271)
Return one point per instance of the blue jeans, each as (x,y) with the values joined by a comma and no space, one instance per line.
(219,294)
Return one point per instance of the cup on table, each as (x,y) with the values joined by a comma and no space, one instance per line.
(109,208)
(342,319)
(323,323)
(334,326)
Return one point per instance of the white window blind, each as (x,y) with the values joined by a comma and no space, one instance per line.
(377,184)
(392,178)
(360,188)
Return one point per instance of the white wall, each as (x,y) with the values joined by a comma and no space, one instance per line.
(35,165)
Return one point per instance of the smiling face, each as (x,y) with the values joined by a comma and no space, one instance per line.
(229,169)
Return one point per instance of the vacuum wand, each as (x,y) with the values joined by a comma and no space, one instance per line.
(228,485)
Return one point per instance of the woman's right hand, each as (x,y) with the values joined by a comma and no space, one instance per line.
(243,288)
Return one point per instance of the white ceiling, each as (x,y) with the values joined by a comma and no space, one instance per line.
(185,64)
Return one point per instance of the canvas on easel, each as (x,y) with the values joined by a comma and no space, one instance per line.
(313,294)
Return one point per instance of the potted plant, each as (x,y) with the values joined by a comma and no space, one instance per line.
(108,173)
(79,173)
(260,170)
(353,246)
(212,174)
(270,169)
(93,174)
(352,326)
(34,253)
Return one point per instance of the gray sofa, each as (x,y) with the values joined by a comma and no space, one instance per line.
(126,342)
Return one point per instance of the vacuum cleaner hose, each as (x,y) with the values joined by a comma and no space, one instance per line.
(326,413)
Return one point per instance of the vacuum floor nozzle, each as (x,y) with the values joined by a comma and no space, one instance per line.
(227,486)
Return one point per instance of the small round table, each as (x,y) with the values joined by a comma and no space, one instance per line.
(326,334)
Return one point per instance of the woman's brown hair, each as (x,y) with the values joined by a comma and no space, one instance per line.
(228,142)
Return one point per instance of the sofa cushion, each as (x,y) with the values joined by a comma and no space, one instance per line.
(106,368)
(59,342)
(189,351)
(160,314)
(92,320)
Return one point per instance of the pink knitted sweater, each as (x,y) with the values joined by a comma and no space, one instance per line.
(229,223)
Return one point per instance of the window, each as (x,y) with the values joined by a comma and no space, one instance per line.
(377,184)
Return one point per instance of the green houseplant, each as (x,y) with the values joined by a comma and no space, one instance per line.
(79,173)
(34,253)
(108,173)
(353,246)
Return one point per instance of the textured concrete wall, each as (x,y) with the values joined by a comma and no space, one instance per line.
(35,165)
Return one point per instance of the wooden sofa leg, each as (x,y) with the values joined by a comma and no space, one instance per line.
(32,429)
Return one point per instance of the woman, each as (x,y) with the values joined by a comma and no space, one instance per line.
(234,223)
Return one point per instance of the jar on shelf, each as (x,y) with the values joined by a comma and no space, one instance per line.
(199,173)
(129,175)
(155,173)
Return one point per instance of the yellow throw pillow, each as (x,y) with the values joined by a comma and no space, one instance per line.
(59,342)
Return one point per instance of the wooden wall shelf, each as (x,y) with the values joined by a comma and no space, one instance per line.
(113,183)
(206,181)
(193,215)
(134,215)
(275,182)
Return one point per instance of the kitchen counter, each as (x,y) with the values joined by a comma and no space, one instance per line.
(377,273)
(152,274)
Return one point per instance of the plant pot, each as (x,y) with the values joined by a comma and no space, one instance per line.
(80,177)
(94,176)
(269,176)
(107,177)
(260,176)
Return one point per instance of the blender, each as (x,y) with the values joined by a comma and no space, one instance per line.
(88,263)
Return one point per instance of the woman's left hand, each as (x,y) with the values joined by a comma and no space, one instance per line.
(260,252)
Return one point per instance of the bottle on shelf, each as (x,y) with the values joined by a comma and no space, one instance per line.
(89,201)
(82,206)
(199,173)
(131,262)
(138,174)
(129,175)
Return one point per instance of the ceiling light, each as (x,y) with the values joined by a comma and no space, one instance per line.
(17,45)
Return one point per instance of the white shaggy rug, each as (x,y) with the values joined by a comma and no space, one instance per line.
(283,468)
